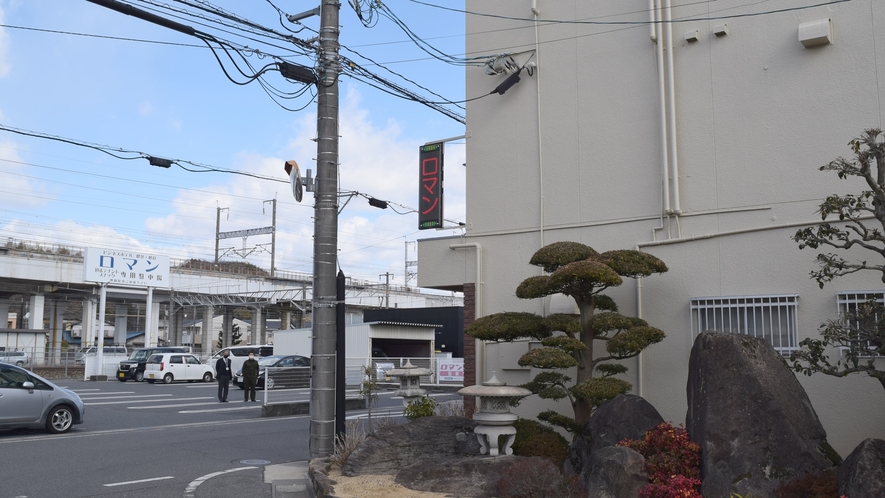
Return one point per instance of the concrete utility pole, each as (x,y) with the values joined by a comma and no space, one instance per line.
(386,288)
(325,248)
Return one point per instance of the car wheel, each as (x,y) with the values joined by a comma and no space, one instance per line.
(167,379)
(207,377)
(269,383)
(59,420)
(139,376)
(150,381)
(19,363)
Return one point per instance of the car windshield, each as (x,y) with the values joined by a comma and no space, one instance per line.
(139,354)
(269,361)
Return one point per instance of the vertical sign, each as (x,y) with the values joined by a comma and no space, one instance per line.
(430,190)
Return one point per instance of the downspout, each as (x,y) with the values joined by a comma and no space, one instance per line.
(639,315)
(536,13)
(657,27)
(480,348)
(671,103)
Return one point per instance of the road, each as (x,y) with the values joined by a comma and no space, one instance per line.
(158,440)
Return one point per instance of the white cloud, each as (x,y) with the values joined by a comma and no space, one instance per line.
(375,160)
(145,109)
(16,189)
(5,64)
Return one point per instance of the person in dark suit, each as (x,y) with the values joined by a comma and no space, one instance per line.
(224,375)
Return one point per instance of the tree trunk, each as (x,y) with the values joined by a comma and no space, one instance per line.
(583,408)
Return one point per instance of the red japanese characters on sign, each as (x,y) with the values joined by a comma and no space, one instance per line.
(430,188)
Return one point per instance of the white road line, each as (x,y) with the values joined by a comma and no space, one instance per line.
(142,401)
(102,398)
(221,409)
(80,390)
(192,487)
(173,406)
(107,393)
(138,481)
(111,432)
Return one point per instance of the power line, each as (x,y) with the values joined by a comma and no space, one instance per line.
(619,23)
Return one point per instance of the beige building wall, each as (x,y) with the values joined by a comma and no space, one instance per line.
(574,152)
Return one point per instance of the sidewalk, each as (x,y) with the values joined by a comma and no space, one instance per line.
(288,480)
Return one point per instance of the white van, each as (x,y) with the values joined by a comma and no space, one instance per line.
(239,355)
(81,355)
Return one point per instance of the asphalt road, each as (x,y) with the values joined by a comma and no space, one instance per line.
(156,440)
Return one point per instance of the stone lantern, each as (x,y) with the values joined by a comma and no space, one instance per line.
(409,381)
(494,415)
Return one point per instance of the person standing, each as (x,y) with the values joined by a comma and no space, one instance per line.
(250,377)
(223,374)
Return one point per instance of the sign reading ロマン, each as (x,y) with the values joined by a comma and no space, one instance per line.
(126,268)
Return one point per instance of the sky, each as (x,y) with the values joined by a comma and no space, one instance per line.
(78,71)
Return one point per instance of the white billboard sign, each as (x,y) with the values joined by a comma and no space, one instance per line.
(126,268)
(450,369)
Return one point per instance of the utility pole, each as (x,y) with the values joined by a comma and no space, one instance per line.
(325,243)
(386,276)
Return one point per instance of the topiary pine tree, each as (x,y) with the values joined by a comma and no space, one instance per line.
(859,333)
(580,272)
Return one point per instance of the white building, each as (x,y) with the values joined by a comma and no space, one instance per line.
(581,150)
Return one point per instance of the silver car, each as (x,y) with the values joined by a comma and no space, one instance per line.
(28,400)
(19,358)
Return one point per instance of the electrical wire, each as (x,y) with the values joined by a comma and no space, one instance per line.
(618,23)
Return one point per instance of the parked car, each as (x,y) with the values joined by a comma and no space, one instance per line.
(170,367)
(274,361)
(133,367)
(19,358)
(28,400)
(80,357)
(239,354)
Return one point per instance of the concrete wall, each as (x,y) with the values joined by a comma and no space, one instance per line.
(574,153)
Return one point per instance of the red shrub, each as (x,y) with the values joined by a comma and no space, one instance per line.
(672,461)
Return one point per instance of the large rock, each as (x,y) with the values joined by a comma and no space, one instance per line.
(465,477)
(427,439)
(751,417)
(862,475)
(615,472)
(625,417)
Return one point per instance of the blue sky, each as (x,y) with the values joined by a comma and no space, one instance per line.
(173,100)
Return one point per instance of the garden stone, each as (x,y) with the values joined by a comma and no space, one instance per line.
(862,475)
(423,440)
(615,472)
(627,416)
(751,417)
(465,477)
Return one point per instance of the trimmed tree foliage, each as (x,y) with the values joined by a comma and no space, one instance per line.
(580,272)
(860,224)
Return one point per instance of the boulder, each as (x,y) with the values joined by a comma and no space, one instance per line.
(426,439)
(615,472)
(627,416)
(465,477)
(862,475)
(751,417)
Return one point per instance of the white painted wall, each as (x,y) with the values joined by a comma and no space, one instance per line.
(757,114)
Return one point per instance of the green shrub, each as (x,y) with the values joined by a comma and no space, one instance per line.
(422,407)
(534,439)
(538,478)
(823,484)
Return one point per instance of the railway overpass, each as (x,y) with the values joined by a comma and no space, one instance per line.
(47,281)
